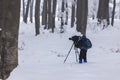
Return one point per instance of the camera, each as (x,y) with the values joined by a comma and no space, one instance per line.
(70,38)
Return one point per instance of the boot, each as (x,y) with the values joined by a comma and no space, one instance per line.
(85,61)
(80,61)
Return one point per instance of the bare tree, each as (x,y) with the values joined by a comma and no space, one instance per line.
(26,11)
(82,13)
(44,13)
(73,13)
(49,14)
(31,11)
(103,11)
(94,9)
(37,17)
(113,13)
(62,16)
(9,26)
(66,10)
(53,14)
(23,2)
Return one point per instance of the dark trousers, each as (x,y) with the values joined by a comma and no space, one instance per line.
(83,54)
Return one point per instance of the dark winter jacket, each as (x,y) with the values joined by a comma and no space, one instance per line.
(81,42)
(75,40)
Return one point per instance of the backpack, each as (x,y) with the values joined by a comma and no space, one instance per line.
(85,43)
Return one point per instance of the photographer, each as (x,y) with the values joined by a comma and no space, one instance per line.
(83,44)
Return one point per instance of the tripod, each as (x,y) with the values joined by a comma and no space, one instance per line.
(76,53)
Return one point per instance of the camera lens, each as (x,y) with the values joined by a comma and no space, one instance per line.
(70,38)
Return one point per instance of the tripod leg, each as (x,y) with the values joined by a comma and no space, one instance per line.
(68,53)
(76,57)
(76,54)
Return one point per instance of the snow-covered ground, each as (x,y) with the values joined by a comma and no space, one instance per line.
(41,57)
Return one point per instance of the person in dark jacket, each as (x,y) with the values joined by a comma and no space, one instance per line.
(83,44)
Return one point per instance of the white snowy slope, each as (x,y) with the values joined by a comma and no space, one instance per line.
(41,57)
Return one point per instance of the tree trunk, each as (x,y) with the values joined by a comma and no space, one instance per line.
(113,13)
(73,14)
(9,24)
(49,14)
(44,14)
(62,15)
(103,11)
(27,10)
(53,14)
(23,10)
(82,13)
(99,13)
(94,9)
(66,21)
(37,17)
(31,11)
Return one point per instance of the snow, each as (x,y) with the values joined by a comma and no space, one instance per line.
(41,57)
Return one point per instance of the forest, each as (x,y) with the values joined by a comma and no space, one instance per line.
(46,17)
